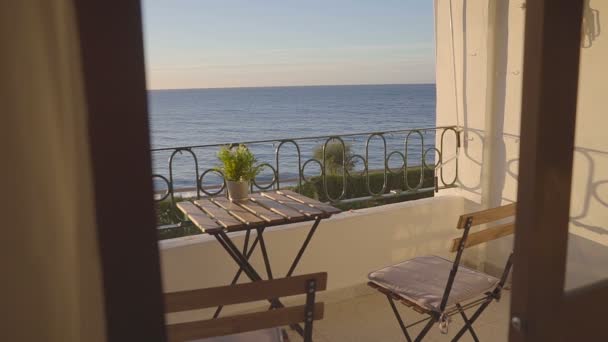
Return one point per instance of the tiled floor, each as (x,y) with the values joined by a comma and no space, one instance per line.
(370,318)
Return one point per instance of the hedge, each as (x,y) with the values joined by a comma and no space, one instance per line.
(313,188)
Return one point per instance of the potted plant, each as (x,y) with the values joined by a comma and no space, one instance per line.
(239,168)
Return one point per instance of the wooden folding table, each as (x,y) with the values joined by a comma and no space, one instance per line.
(219,216)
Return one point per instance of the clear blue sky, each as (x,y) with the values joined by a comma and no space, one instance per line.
(248,43)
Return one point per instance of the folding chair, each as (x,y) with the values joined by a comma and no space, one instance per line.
(441,288)
(256,326)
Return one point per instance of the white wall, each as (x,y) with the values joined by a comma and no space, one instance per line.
(483,47)
(588,247)
(455,50)
(488,93)
(495,129)
(348,246)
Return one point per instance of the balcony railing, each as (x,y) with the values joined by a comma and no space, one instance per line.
(374,165)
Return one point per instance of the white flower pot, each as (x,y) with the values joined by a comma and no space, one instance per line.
(237,191)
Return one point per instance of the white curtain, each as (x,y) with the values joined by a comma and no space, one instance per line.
(50,281)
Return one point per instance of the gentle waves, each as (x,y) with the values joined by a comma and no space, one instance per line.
(211,116)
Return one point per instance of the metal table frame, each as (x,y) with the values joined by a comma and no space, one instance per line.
(241,257)
(219,218)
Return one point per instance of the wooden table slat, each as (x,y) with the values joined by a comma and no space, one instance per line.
(285,211)
(311,202)
(199,218)
(269,216)
(290,202)
(238,212)
(221,215)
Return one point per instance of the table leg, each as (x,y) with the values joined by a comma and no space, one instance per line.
(264,252)
(251,273)
(296,261)
(246,242)
(237,256)
(247,253)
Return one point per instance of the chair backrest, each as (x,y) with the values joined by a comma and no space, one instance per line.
(307,284)
(467,221)
(488,234)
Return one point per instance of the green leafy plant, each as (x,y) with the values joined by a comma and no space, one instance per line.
(334,161)
(238,164)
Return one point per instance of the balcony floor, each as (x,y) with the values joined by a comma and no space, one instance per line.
(370,318)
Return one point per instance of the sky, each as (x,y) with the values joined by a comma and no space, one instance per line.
(260,43)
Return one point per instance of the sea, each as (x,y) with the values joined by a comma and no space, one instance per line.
(199,117)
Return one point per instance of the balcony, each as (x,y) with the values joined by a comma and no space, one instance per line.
(470,161)
(348,245)
(368,318)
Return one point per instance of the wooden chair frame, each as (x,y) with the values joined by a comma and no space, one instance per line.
(307,284)
(465,222)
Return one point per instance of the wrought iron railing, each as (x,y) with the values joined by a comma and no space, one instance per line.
(413,151)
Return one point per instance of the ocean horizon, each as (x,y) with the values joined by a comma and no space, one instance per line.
(294,86)
(187,117)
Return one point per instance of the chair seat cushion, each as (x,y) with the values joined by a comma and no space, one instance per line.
(423,280)
(265,335)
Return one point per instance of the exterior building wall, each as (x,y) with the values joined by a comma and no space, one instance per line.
(587,250)
(487,59)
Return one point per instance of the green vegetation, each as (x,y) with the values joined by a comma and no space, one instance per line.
(238,164)
(357,187)
(165,215)
(313,188)
(172,233)
(334,157)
